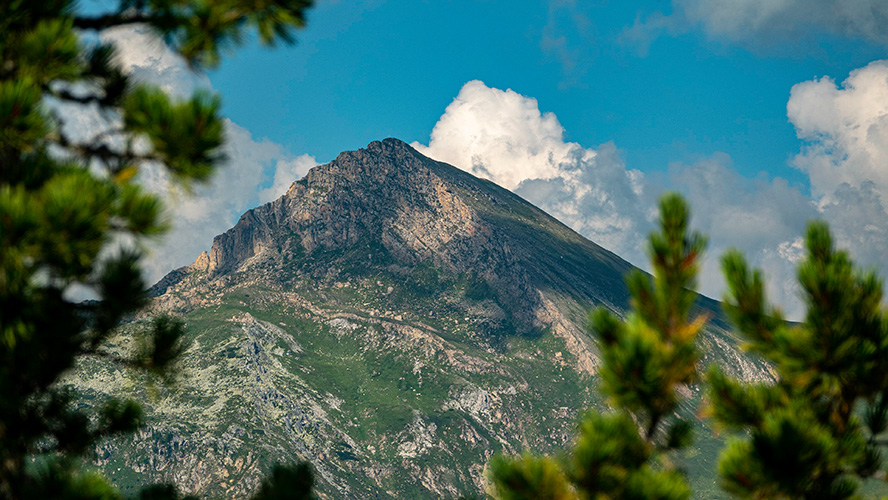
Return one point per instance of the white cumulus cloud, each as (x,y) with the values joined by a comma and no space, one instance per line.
(845,128)
(845,154)
(148,59)
(286,171)
(501,135)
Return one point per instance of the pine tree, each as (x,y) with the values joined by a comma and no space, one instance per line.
(646,358)
(65,201)
(814,433)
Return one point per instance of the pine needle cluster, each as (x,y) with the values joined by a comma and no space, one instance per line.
(814,434)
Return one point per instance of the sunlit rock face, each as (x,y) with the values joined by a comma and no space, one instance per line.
(391,319)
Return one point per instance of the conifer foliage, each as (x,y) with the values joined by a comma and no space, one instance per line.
(814,433)
(647,358)
(65,199)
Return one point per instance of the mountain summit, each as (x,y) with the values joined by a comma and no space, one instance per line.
(392,319)
(408,210)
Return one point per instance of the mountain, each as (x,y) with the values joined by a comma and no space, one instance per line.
(392,319)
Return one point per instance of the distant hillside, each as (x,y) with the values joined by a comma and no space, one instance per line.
(392,319)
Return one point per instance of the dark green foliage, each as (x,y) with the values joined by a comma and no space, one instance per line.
(287,483)
(807,436)
(186,136)
(478,288)
(65,201)
(62,481)
(646,358)
(811,434)
(529,478)
(163,347)
(162,492)
(608,452)
(652,353)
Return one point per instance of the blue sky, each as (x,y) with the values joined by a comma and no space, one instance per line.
(373,69)
(764,114)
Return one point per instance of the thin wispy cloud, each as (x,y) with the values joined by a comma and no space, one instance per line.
(758,23)
(569,38)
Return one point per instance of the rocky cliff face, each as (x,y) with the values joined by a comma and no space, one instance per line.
(421,211)
(392,319)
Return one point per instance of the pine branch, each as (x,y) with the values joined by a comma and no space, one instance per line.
(652,427)
(67,95)
(111,20)
(103,152)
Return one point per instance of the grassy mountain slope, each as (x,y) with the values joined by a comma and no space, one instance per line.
(392,319)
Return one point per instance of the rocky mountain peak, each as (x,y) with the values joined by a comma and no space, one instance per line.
(386,192)
(419,211)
